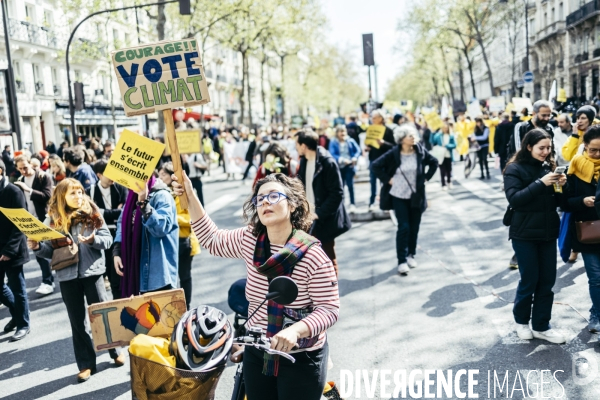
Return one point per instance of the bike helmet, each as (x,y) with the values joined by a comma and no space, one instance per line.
(201,339)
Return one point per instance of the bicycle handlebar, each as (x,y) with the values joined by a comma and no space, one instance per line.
(261,343)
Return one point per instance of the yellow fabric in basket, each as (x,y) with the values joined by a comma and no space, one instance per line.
(152,348)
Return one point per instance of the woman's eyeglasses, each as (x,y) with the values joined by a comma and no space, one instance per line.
(593,151)
(272,198)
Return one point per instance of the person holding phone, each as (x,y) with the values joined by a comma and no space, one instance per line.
(75,215)
(534,226)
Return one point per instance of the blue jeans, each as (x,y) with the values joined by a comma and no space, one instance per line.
(14,296)
(47,277)
(537,266)
(373,186)
(348,180)
(409,220)
(591,261)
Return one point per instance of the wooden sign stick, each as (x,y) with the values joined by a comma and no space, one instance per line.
(172,138)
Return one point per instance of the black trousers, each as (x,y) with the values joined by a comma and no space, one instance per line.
(302,380)
(409,221)
(197,185)
(446,171)
(483,161)
(75,293)
(185,269)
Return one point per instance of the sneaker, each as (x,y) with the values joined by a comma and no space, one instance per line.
(371,207)
(449,185)
(550,335)
(573,257)
(594,324)
(352,208)
(513,263)
(45,289)
(410,260)
(445,188)
(331,391)
(403,269)
(523,332)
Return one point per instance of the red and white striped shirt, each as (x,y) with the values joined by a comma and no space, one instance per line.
(314,274)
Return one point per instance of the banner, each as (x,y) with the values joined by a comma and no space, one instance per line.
(496,104)
(32,227)
(474,109)
(434,122)
(114,323)
(188,142)
(160,76)
(521,103)
(133,160)
(374,134)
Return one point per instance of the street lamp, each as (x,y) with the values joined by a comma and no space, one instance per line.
(14,111)
(184,9)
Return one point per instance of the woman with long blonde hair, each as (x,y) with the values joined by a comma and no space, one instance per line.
(75,215)
(58,169)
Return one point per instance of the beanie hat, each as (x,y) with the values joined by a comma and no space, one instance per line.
(589,111)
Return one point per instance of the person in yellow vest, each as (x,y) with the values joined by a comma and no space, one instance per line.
(525,115)
(584,117)
(188,243)
(491,124)
(464,128)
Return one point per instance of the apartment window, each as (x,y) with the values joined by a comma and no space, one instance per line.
(47,18)
(561,12)
(116,38)
(77,75)
(586,40)
(532,26)
(56,89)
(574,87)
(37,79)
(545,20)
(29,13)
(597,41)
(552,16)
(36,73)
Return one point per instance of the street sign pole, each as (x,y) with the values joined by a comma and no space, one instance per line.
(12,92)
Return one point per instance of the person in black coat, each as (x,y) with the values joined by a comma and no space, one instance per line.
(534,226)
(250,157)
(385,144)
(403,172)
(582,179)
(8,160)
(13,254)
(503,133)
(320,174)
(103,192)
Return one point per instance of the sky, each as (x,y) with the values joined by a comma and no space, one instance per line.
(349,19)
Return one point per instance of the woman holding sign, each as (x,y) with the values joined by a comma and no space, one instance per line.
(380,139)
(73,214)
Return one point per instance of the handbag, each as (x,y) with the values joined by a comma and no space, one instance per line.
(416,201)
(385,198)
(66,253)
(565,236)
(508,216)
(588,232)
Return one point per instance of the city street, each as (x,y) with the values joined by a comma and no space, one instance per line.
(452,312)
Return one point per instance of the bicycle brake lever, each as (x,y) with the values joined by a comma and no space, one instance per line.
(281,353)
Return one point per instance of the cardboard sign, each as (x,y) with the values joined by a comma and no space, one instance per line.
(561,97)
(133,160)
(160,76)
(496,104)
(188,142)
(434,122)
(115,323)
(474,109)
(32,227)
(374,133)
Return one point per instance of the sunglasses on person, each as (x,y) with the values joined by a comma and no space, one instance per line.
(272,198)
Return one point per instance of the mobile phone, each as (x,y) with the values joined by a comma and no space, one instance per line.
(560,170)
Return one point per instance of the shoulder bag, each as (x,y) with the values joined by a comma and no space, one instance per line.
(588,232)
(508,216)
(66,253)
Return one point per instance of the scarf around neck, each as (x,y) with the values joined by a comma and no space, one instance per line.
(585,168)
(131,243)
(281,263)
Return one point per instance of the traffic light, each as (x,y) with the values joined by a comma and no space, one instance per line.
(185,7)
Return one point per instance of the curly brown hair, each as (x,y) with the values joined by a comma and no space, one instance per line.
(296,197)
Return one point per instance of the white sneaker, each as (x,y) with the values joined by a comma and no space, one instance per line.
(449,185)
(45,289)
(410,260)
(403,269)
(371,207)
(523,332)
(445,188)
(550,335)
(352,208)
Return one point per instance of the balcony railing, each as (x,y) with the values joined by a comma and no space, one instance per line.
(585,56)
(39,87)
(577,58)
(596,53)
(57,90)
(27,32)
(20,86)
(586,11)
(555,27)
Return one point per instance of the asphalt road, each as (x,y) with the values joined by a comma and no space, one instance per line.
(451,313)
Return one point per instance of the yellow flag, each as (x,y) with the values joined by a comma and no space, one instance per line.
(32,227)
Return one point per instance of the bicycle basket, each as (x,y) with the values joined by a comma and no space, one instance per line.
(153,381)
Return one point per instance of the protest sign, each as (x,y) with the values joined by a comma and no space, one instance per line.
(521,103)
(133,160)
(32,227)
(496,104)
(434,122)
(160,76)
(474,109)
(187,141)
(114,323)
(374,134)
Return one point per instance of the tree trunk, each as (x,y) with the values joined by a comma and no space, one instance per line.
(470,66)
(447,75)
(282,90)
(160,28)
(242,94)
(262,87)
(248,92)
(461,78)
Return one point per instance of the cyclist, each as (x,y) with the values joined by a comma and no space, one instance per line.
(275,244)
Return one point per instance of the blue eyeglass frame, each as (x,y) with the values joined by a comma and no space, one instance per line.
(258,203)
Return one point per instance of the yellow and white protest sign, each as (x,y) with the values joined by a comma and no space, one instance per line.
(160,76)
(434,122)
(133,160)
(188,142)
(32,227)
(374,134)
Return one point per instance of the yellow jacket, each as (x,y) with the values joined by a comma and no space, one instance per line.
(571,146)
(463,130)
(185,227)
(491,124)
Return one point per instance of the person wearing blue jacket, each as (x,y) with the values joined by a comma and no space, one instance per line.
(148,222)
(445,139)
(346,151)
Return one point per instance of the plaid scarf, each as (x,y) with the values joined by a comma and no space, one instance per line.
(272,266)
